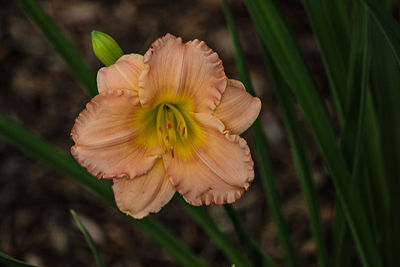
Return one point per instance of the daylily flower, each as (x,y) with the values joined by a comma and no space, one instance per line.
(164,122)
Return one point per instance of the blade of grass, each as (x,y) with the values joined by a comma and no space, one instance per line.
(271,192)
(386,84)
(361,98)
(275,35)
(359,167)
(37,148)
(168,241)
(300,159)
(263,158)
(374,179)
(342,239)
(61,44)
(342,236)
(389,4)
(12,262)
(88,239)
(201,216)
(333,45)
(374,161)
(387,24)
(377,179)
(69,54)
(255,254)
(338,14)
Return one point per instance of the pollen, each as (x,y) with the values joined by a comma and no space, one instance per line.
(171,125)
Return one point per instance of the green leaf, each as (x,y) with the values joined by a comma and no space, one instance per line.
(371,180)
(300,159)
(169,242)
(271,192)
(388,25)
(377,181)
(12,262)
(255,254)
(359,99)
(88,238)
(200,215)
(39,149)
(61,44)
(261,146)
(36,147)
(332,36)
(66,50)
(342,239)
(350,141)
(386,93)
(281,45)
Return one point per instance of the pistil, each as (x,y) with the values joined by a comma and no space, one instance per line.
(171,126)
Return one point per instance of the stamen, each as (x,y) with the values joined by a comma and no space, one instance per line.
(160,123)
(181,121)
(168,115)
(170,118)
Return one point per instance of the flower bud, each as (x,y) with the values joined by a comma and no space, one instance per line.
(106,48)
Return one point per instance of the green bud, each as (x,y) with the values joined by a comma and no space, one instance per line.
(106,48)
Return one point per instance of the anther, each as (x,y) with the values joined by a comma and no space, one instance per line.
(170,123)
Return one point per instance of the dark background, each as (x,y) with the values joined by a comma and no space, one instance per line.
(37,90)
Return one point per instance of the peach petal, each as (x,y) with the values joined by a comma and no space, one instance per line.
(191,69)
(105,137)
(144,194)
(238,109)
(218,173)
(124,74)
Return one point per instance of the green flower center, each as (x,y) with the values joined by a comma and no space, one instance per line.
(170,123)
(171,126)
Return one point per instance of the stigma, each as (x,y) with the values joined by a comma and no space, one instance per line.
(171,127)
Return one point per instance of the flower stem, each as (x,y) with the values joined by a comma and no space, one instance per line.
(200,215)
(255,254)
(61,44)
(88,238)
(263,158)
